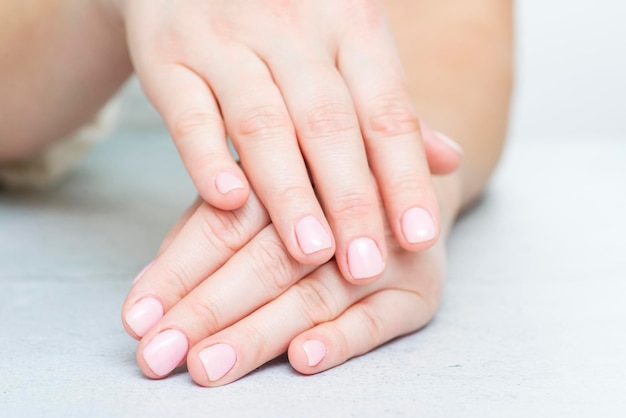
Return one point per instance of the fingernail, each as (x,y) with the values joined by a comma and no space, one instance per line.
(218,360)
(315,351)
(166,351)
(364,259)
(227,182)
(141,273)
(141,317)
(446,139)
(311,235)
(428,134)
(418,226)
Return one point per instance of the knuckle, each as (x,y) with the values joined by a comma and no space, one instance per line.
(340,341)
(208,311)
(191,123)
(263,123)
(257,340)
(328,119)
(222,230)
(408,184)
(177,279)
(273,266)
(353,206)
(291,193)
(316,300)
(199,163)
(373,324)
(392,115)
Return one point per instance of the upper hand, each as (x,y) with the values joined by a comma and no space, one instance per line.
(314,84)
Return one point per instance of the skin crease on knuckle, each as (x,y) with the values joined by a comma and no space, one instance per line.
(352,205)
(264,123)
(273,266)
(192,124)
(316,300)
(223,231)
(329,120)
(392,116)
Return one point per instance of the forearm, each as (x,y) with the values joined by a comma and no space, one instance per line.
(60,61)
(458,56)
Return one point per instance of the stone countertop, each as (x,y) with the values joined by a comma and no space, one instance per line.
(533,321)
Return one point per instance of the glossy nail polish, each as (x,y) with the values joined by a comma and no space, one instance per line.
(451,143)
(364,259)
(418,226)
(143,315)
(166,351)
(312,236)
(315,351)
(218,360)
(227,182)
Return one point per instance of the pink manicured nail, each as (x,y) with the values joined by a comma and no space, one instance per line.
(141,273)
(311,235)
(418,226)
(364,259)
(227,182)
(429,134)
(315,351)
(218,360)
(141,317)
(166,351)
(451,143)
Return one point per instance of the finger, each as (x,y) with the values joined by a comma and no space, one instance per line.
(204,244)
(443,154)
(178,226)
(261,129)
(257,274)
(330,138)
(363,327)
(265,334)
(392,136)
(192,116)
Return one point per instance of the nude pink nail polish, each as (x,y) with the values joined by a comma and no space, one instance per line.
(418,226)
(315,351)
(166,351)
(312,236)
(141,273)
(364,259)
(143,315)
(218,360)
(429,135)
(227,182)
(451,143)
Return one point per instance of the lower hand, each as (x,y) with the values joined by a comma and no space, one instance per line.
(235,299)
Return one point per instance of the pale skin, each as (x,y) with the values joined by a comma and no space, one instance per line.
(321,89)
(457,59)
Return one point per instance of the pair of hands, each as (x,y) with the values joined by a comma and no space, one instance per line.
(297,85)
(311,85)
(225,296)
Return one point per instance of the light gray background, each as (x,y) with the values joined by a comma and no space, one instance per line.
(533,319)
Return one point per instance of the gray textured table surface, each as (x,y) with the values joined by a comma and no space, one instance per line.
(533,322)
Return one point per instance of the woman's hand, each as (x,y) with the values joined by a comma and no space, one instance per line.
(296,84)
(235,299)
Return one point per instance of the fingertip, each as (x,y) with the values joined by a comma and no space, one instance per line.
(365,261)
(418,229)
(229,190)
(307,354)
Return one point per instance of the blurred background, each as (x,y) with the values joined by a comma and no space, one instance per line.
(571,72)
